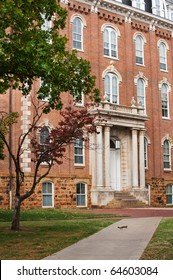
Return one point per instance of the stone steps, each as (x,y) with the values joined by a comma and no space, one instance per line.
(125,200)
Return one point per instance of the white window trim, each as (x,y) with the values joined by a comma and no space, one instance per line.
(50,127)
(111,26)
(145,80)
(154,10)
(79,104)
(111,74)
(144,105)
(143,44)
(165,81)
(46,99)
(83,21)
(45,194)
(169,194)
(83,155)
(170,147)
(166,54)
(86,197)
(142,4)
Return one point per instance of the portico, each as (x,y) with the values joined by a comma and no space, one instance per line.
(117,158)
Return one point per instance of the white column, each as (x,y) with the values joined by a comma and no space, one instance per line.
(93,160)
(141,159)
(107,155)
(99,148)
(135,158)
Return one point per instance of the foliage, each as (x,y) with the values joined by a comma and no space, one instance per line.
(29,51)
(2,156)
(6,120)
(73,124)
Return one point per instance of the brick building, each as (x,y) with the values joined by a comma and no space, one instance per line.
(129,44)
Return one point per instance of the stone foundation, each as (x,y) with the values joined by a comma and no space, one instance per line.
(64,192)
(158,192)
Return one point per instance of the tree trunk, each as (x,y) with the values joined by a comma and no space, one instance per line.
(16,216)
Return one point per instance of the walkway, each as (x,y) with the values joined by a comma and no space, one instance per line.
(113,243)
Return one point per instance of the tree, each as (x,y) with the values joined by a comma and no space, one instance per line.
(74,123)
(1,149)
(30,52)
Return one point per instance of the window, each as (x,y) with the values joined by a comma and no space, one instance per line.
(111,88)
(165,101)
(81,194)
(169,194)
(44,135)
(47,195)
(166,155)
(163,56)
(139,44)
(145,152)
(158,7)
(46,26)
(110,42)
(46,88)
(141,92)
(140,4)
(78,152)
(77,33)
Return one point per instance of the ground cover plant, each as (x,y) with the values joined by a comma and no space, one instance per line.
(44,232)
(161,245)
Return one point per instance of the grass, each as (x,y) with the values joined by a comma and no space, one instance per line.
(161,245)
(44,232)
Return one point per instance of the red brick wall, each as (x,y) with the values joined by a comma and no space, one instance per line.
(156,127)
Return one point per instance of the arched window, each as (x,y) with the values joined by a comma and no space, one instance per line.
(47,194)
(81,194)
(78,33)
(139,45)
(165,101)
(163,56)
(44,135)
(110,42)
(111,88)
(141,92)
(169,194)
(166,155)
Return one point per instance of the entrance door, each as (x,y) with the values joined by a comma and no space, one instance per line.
(115,164)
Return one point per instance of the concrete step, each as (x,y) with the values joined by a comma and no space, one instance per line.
(125,200)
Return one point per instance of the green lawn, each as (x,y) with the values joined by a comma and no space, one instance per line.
(44,232)
(161,245)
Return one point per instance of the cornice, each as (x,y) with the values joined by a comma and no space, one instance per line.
(124,13)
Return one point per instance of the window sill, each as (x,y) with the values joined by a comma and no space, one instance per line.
(167,170)
(79,166)
(142,65)
(166,119)
(78,50)
(165,71)
(110,57)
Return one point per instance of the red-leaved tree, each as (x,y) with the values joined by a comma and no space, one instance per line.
(74,123)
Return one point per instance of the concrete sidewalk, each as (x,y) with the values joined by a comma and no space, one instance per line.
(113,243)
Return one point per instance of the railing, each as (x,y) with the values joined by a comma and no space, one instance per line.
(121,108)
